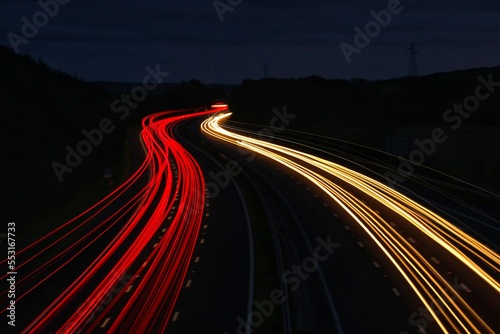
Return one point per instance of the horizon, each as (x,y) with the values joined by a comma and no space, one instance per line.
(213,41)
(256,79)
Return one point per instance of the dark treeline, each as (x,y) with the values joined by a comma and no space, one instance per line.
(169,96)
(392,115)
(191,94)
(332,106)
(42,112)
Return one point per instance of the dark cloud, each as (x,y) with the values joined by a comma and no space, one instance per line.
(115,40)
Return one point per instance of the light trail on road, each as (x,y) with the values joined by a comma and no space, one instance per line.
(133,283)
(449,310)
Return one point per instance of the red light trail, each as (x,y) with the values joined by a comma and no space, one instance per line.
(149,233)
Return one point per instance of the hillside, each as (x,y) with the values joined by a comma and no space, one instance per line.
(374,112)
(42,112)
(45,111)
(358,103)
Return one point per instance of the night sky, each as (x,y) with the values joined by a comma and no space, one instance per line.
(115,40)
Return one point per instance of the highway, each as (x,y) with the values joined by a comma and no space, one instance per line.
(381,213)
(133,248)
(222,230)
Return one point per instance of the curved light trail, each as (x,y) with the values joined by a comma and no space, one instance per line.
(450,311)
(148,228)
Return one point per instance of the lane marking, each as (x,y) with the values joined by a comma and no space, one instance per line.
(156,244)
(392,224)
(396,292)
(207,214)
(129,288)
(144,264)
(361,244)
(411,240)
(336,215)
(202,241)
(435,260)
(325,204)
(188,284)
(164,230)
(375,263)
(105,322)
(347,227)
(205,226)
(176,316)
(197,259)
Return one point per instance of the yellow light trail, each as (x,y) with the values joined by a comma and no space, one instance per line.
(450,311)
